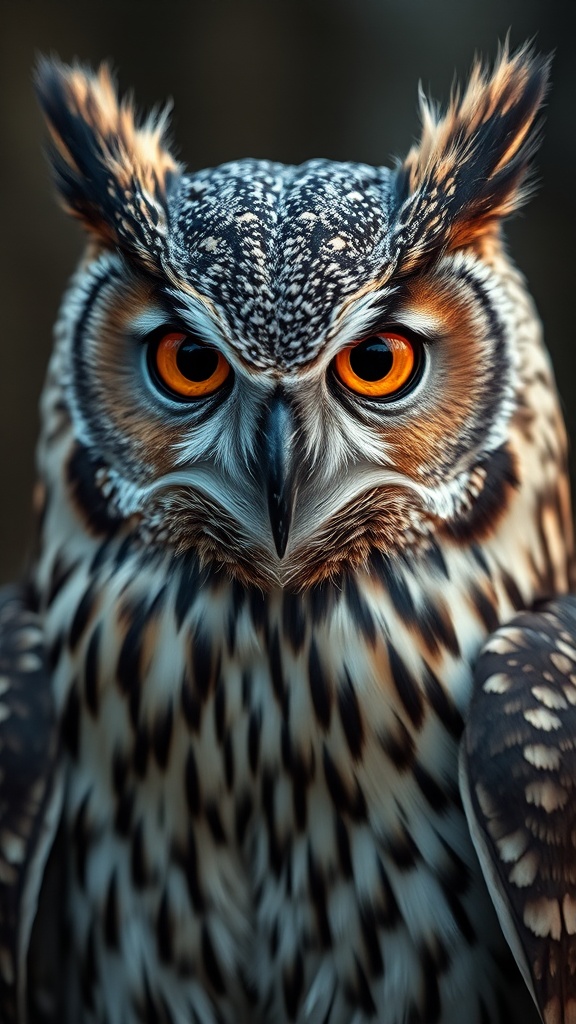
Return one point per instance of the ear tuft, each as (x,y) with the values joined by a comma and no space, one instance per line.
(111,172)
(472,165)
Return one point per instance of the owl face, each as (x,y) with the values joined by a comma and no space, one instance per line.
(291,370)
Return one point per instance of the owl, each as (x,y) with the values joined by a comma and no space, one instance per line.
(288,691)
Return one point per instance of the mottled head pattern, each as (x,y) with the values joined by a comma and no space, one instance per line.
(280,268)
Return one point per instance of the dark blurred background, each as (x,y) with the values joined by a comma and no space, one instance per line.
(286,79)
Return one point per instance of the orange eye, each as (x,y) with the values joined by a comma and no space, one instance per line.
(187,368)
(378,366)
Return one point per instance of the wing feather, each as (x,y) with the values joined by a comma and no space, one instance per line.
(518,783)
(30,789)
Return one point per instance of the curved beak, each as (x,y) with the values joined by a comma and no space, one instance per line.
(278,464)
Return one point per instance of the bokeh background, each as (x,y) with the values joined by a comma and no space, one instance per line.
(285,79)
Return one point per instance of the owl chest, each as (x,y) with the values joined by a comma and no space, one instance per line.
(251,723)
(248,780)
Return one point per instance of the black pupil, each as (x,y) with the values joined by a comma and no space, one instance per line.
(196,362)
(372,359)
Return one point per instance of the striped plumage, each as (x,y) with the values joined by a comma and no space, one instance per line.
(262,606)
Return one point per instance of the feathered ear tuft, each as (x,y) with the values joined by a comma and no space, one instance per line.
(471,167)
(111,172)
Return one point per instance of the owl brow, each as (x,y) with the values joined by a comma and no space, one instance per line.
(359,316)
(416,328)
(175,315)
(382,311)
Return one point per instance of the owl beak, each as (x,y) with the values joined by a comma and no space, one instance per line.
(279,428)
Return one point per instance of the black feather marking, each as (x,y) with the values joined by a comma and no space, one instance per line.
(88,971)
(258,607)
(254,732)
(120,769)
(91,672)
(385,907)
(430,789)
(188,586)
(343,846)
(246,688)
(202,661)
(138,870)
(435,558)
(191,704)
(300,780)
(231,624)
(111,917)
(192,783)
(210,961)
(71,721)
(492,502)
(359,994)
(399,745)
(82,836)
(242,817)
(456,874)
(97,511)
(320,687)
(322,599)
(406,687)
(141,750)
(513,592)
(485,608)
(55,650)
(189,864)
(432,1006)
(229,761)
(162,735)
(274,938)
(480,558)
(164,931)
(276,852)
(124,813)
(128,667)
(317,890)
(436,628)
(154,1009)
(293,620)
(359,609)
(348,802)
(61,573)
(459,914)
(371,941)
(123,551)
(276,671)
(403,850)
(442,703)
(293,986)
(485,1017)
(350,716)
(250,989)
(215,822)
(220,709)
(394,582)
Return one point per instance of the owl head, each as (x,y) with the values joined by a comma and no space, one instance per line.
(287,372)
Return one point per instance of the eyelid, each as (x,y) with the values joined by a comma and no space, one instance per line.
(419,336)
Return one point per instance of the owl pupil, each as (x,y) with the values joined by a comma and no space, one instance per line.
(196,362)
(372,360)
